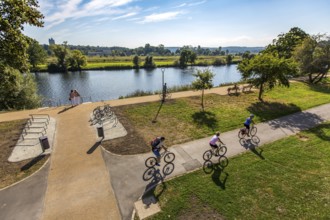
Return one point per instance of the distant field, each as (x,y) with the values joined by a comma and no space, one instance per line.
(117,62)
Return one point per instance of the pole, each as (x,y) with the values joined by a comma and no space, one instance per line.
(163,70)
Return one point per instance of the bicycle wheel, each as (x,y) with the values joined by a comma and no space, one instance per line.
(222,150)
(253,131)
(169,157)
(149,173)
(241,133)
(207,155)
(223,161)
(151,162)
(168,169)
(255,140)
(208,166)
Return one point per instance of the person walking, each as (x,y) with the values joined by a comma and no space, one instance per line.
(71,97)
(76,97)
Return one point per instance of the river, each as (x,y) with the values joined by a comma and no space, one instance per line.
(97,85)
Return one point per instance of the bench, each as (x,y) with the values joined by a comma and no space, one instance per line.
(234,88)
(247,88)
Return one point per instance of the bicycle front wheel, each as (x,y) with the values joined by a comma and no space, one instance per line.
(169,157)
(253,131)
(222,150)
(207,155)
(151,162)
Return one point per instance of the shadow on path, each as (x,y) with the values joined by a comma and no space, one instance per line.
(249,144)
(93,148)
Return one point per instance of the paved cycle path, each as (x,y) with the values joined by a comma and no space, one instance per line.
(127,171)
(78,185)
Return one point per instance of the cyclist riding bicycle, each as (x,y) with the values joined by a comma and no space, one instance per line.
(214,140)
(247,123)
(156,145)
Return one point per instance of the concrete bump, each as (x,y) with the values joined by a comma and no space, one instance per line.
(192,165)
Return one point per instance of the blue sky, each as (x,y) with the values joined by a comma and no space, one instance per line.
(208,23)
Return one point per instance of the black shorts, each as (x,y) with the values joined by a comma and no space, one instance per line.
(247,126)
(213,145)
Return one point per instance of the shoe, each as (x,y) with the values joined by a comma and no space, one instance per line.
(157,164)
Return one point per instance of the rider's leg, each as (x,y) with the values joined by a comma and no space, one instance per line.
(157,154)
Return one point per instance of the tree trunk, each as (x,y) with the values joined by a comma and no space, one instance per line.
(203,99)
(261,89)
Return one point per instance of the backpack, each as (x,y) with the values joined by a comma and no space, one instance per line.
(155,142)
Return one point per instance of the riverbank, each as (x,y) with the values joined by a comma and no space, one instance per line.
(125,63)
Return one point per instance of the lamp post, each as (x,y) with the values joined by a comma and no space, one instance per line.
(163,70)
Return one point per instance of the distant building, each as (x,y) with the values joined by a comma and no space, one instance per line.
(51,41)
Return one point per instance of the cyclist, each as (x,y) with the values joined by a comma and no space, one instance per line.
(156,145)
(247,123)
(215,138)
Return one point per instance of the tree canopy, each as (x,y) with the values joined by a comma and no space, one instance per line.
(203,81)
(313,57)
(13,44)
(267,70)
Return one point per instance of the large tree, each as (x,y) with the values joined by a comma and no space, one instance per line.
(267,70)
(76,60)
(285,44)
(62,54)
(17,90)
(13,44)
(313,57)
(187,56)
(37,54)
(203,81)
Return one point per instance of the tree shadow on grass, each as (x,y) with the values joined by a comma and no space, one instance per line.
(322,131)
(322,87)
(270,110)
(205,118)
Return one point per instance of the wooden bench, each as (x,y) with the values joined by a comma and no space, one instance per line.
(234,88)
(247,88)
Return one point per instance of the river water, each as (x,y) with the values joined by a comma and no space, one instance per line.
(97,85)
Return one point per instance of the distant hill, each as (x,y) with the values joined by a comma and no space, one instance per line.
(231,49)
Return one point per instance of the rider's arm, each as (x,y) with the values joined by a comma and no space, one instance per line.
(221,141)
(165,148)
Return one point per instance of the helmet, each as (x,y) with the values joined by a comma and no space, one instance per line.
(252,115)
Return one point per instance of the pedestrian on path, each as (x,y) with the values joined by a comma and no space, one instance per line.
(71,97)
(76,97)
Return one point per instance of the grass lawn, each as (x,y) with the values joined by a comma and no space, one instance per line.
(180,120)
(13,172)
(291,182)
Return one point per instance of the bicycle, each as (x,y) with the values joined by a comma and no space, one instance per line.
(167,155)
(243,132)
(219,151)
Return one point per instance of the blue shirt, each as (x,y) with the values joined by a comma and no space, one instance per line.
(248,121)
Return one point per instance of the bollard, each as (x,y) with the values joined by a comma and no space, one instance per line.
(44,143)
(100,131)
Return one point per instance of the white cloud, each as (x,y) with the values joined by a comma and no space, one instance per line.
(74,9)
(125,16)
(161,17)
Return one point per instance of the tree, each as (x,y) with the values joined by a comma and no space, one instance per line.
(37,54)
(17,91)
(267,70)
(149,63)
(203,81)
(61,52)
(187,55)
(313,57)
(229,59)
(14,44)
(285,44)
(136,62)
(76,60)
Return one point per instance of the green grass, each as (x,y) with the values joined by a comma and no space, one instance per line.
(181,120)
(292,182)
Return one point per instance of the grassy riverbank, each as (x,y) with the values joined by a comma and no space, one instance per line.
(180,120)
(291,182)
(126,62)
